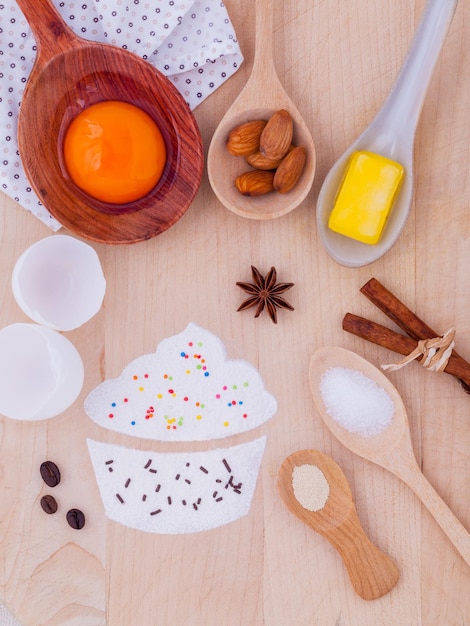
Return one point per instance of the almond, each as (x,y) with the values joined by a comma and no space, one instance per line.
(255,182)
(244,139)
(290,170)
(260,162)
(276,137)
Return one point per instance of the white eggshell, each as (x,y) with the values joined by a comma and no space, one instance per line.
(41,372)
(58,282)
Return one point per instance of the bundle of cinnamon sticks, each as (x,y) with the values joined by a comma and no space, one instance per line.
(415,328)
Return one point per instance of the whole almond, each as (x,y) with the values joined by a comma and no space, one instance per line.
(290,170)
(260,162)
(244,139)
(276,137)
(255,182)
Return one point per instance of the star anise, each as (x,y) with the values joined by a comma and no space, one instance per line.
(265,293)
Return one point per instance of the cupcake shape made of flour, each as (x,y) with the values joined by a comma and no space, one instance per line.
(175,493)
(185,391)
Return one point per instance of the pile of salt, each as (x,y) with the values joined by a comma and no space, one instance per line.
(356,402)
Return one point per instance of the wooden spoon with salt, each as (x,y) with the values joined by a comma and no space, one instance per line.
(392,447)
(372,572)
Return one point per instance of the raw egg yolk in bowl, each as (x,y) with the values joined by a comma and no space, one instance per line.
(114,152)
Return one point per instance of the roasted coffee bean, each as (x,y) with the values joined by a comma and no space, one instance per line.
(50,473)
(49,504)
(76,518)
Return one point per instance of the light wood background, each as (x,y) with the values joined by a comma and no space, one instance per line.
(338,61)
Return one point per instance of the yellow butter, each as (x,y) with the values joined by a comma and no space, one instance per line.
(366,196)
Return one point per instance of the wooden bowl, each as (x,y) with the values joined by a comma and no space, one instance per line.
(71,74)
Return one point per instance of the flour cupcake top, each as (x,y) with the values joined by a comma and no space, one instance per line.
(185,391)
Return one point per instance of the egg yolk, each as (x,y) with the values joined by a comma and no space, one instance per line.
(114,152)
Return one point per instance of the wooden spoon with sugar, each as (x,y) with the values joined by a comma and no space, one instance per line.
(314,489)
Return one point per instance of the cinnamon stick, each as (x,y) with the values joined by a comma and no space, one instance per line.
(382,336)
(404,317)
(396,310)
(408,321)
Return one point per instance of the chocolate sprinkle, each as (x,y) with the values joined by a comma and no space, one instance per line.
(227,466)
(147,465)
(155,512)
(119,498)
(203,469)
(127,483)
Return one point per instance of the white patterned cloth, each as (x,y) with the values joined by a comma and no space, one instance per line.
(6,618)
(190,41)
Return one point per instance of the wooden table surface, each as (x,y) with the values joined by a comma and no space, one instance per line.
(338,61)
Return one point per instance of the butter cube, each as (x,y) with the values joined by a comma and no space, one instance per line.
(366,196)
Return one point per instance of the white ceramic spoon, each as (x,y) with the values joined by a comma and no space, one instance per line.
(392,448)
(390,134)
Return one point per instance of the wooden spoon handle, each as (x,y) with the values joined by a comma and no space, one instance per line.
(263,64)
(372,572)
(449,523)
(51,33)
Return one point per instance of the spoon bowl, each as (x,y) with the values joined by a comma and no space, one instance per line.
(392,448)
(372,572)
(262,96)
(390,134)
(71,74)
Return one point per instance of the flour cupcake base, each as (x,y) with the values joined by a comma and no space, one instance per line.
(176,493)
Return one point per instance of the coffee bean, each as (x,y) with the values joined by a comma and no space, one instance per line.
(50,473)
(76,518)
(49,504)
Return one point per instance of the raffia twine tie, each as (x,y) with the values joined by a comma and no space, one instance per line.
(435,352)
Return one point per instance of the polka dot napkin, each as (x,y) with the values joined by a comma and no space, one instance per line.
(190,41)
